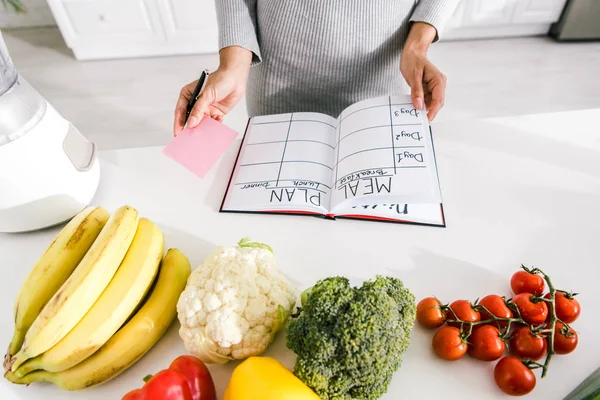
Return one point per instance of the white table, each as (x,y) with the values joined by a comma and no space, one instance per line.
(516,190)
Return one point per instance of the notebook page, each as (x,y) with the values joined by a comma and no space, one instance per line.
(384,149)
(427,213)
(285,164)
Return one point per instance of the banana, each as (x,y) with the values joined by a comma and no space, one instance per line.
(133,340)
(53,268)
(79,292)
(123,294)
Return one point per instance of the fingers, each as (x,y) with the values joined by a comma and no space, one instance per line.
(201,108)
(416,88)
(438,95)
(181,108)
(180,111)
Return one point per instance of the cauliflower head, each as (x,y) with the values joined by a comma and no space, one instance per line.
(234,303)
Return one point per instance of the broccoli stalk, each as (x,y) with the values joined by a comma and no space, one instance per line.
(349,341)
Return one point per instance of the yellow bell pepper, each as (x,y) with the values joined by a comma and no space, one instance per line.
(264,378)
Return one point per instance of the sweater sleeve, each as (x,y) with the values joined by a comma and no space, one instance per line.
(238,25)
(435,13)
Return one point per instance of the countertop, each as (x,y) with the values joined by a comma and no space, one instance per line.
(516,190)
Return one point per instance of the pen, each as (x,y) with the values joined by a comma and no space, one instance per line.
(197,90)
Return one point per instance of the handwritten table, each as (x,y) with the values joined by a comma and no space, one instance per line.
(376,154)
(516,190)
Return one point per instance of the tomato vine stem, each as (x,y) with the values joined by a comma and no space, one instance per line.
(553,319)
(482,322)
(550,330)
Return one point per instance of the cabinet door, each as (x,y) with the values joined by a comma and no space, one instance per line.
(487,13)
(532,11)
(106,22)
(191,23)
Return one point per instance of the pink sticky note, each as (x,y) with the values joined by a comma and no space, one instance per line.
(198,148)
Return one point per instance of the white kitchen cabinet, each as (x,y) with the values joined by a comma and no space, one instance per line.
(474,19)
(535,11)
(190,23)
(101,29)
(488,12)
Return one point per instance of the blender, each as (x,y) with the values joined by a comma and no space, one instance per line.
(49,171)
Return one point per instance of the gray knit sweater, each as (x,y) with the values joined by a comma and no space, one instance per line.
(323,55)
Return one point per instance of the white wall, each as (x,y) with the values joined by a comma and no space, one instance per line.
(38,14)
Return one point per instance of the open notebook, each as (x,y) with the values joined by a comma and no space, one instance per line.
(375,161)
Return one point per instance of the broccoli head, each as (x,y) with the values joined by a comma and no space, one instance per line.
(349,341)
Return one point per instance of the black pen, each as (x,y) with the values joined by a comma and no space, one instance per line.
(197,90)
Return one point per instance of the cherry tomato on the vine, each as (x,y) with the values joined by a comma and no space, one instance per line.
(532,311)
(525,344)
(567,306)
(485,343)
(496,306)
(448,343)
(525,282)
(429,313)
(565,340)
(463,310)
(513,377)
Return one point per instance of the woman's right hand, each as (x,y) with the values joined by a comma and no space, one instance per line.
(223,90)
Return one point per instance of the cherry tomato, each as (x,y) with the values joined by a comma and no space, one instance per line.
(448,344)
(429,313)
(567,307)
(531,312)
(464,311)
(525,344)
(565,340)
(513,377)
(485,343)
(525,282)
(496,305)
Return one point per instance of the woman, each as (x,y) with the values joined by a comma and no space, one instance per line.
(321,56)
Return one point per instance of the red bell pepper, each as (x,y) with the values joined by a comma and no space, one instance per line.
(186,379)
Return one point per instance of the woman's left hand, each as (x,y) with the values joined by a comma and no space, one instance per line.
(427,83)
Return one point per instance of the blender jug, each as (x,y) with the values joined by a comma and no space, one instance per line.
(21,106)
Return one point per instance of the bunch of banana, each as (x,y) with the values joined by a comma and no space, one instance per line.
(95,302)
